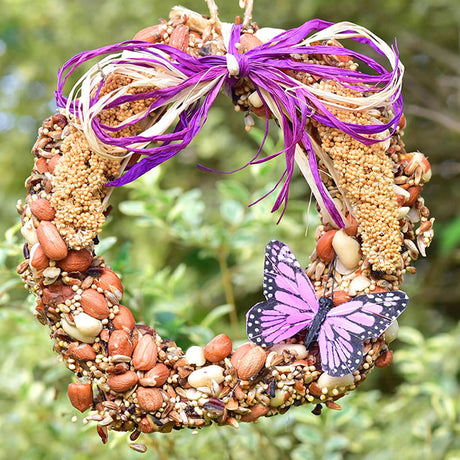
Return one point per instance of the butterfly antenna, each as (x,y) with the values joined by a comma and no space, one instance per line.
(331,274)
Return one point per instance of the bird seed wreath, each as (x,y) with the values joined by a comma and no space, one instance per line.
(142,102)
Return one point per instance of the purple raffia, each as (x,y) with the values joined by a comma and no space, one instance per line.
(267,67)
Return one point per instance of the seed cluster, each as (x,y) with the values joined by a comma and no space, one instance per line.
(113,117)
(366,176)
(79,189)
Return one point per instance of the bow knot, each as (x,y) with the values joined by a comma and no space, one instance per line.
(237,65)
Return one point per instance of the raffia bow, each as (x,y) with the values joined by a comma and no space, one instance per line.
(182,89)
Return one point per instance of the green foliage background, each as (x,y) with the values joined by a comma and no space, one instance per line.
(188,247)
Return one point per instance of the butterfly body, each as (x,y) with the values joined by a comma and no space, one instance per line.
(325,305)
(292,306)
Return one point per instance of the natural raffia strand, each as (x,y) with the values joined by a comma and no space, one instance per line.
(129,377)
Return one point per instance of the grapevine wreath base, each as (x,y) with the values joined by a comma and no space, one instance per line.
(373,218)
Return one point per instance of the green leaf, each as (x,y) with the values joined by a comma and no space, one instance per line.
(105,244)
(336,442)
(188,208)
(445,407)
(308,434)
(215,314)
(233,190)
(450,236)
(304,452)
(232,212)
(132,208)
(411,336)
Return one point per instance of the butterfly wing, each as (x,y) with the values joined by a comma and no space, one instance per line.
(272,322)
(285,279)
(347,325)
(291,299)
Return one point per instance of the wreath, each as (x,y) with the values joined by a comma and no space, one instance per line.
(320,330)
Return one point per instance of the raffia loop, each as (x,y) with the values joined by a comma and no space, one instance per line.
(182,89)
(382,98)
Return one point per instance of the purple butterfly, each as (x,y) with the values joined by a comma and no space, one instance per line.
(292,306)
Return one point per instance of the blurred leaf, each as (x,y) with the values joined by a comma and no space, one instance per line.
(232,212)
(133,208)
(410,336)
(105,244)
(215,314)
(229,189)
(450,236)
(307,434)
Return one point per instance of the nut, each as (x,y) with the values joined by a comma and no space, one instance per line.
(22,267)
(239,353)
(256,411)
(255,100)
(218,348)
(297,349)
(150,34)
(29,232)
(347,249)
(41,165)
(340,297)
(385,359)
(358,284)
(42,209)
(352,228)
(248,42)
(120,343)
(122,382)
(156,376)
(94,304)
(52,163)
(145,353)
(80,395)
(76,261)
(251,363)
(149,399)
(204,377)
(108,281)
(195,356)
(81,351)
(402,122)
(124,319)
(105,335)
(51,240)
(330,382)
(414,192)
(179,37)
(51,275)
(87,325)
(145,426)
(38,259)
(425,226)
(324,248)
(57,293)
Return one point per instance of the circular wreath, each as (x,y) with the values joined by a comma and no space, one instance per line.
(320,330)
